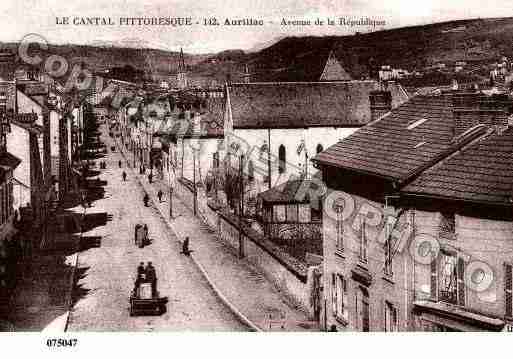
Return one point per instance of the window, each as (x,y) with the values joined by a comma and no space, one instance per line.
(447,227)
(319,148)
(363,240)
(292,215)
(339,297)
(216,160)
(389,250)
(390,317)
(282,156)
(388,256)
(279,214)
(447,275)
(316,213)
(339,229)
(508,289)
(363,310)
(304,213)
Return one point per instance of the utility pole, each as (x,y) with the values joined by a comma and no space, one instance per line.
(194,180)
(170,202)
(241,205)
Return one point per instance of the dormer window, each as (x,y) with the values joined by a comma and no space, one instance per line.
(447,226)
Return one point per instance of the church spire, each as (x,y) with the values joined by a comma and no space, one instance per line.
(182,72)
(181,64)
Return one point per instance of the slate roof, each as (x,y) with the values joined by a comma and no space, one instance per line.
(480,172)
(285,193)
(387,148)
(305,104)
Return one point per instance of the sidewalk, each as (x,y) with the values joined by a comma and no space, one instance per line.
(243,288)
(42,295)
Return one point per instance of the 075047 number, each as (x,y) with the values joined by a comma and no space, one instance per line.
(61,343)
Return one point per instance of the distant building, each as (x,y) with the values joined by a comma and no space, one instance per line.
(333,71)
(181,79)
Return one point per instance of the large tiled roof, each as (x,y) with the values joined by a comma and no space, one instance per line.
(303,104)
(387,148)
(307,66)
(480,172)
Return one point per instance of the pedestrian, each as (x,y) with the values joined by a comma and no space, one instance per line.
(119,163)
(146,199)
(159,195)
(141,273)
(124,176)
(185,247)
(150,178)
(151,277)
(145,228)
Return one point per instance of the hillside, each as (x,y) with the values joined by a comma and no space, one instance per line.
(474,41)
(98,58)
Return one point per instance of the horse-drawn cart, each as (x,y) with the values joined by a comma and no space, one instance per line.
(142,302)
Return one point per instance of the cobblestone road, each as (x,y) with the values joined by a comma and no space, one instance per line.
(106,270)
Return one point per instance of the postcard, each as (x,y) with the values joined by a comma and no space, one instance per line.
(236,166)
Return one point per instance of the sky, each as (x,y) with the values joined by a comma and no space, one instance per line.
(20,18)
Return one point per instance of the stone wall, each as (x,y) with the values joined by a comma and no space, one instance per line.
(290,276)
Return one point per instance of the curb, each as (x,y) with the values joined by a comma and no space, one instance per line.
(216,290)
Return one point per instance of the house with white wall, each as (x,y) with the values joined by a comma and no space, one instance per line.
(281,126)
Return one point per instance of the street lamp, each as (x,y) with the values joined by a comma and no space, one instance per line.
(241,205)
(194,181)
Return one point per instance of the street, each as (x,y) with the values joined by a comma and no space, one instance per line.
(107,267)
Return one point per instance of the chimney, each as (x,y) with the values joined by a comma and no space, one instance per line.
(380,103)
(473,108)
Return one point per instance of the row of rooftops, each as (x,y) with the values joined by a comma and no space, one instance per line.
(456,146)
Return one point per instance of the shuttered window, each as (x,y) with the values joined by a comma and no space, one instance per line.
(508,284)
(340,230)
(434,278)
(461,281)
(363,241)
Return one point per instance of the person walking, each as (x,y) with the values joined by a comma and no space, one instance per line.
(185,247)
(145,228)
(124,176)
(151,277)
(119,163)
(150,178)
(159,195)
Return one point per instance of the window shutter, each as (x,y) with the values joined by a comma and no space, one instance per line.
(461,281)
(508,289)
(334,292)
(434,278)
